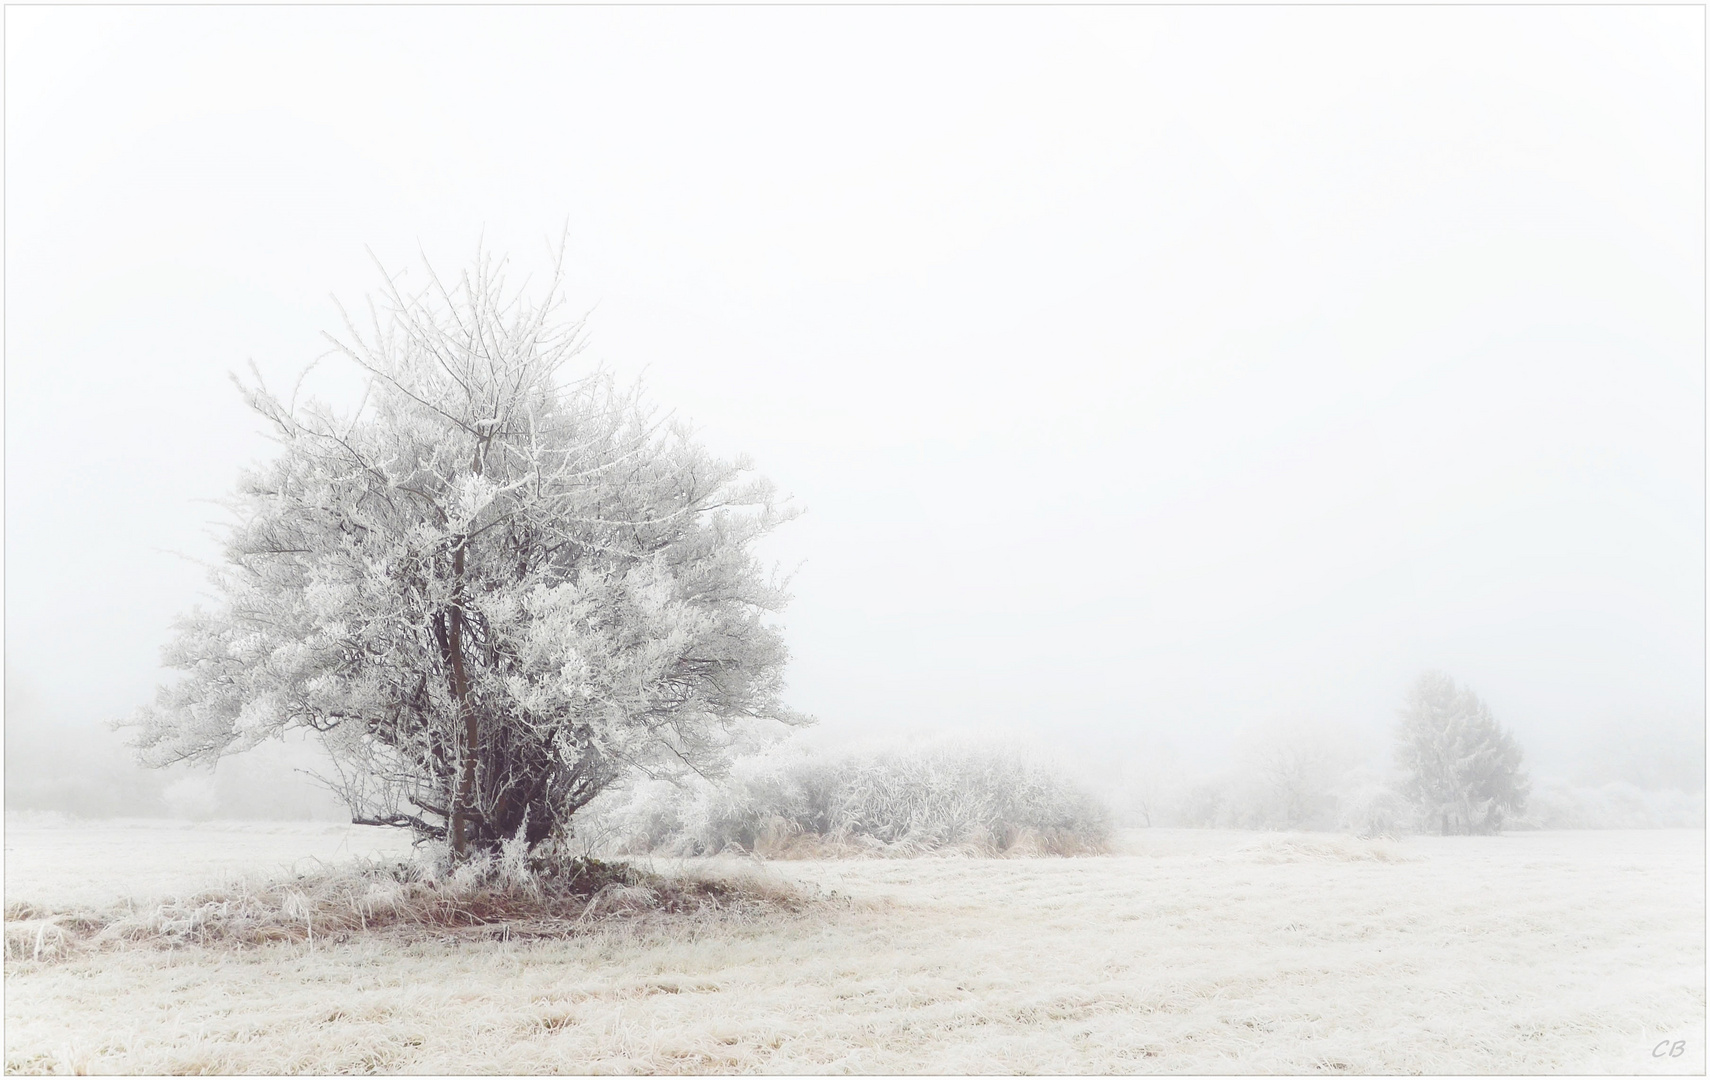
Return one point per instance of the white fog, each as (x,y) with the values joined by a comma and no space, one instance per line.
(1166,390)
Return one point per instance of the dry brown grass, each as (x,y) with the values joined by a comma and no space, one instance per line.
(1318,847)
(404,901)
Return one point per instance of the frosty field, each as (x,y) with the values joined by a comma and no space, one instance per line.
(1189,951)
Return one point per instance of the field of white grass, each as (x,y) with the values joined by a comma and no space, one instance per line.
(1187,951)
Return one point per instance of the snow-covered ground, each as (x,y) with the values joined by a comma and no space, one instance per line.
(1190,951)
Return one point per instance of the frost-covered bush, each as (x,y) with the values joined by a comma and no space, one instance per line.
(1359,800)
(1205,803)
(1368,805)
(1229,800)
(1286,776)
(1558,804)
(895,802)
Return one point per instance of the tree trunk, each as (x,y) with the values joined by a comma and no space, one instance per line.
(464,797)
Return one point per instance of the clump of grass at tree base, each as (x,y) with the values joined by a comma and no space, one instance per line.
(423,898)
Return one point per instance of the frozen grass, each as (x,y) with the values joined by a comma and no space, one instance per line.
(407,900)
(1189,951)
(1316,847)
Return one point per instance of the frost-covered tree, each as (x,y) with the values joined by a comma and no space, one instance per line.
(1293,773)
(490,588)
(1461,769)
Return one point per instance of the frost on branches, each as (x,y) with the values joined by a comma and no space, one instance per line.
(1462,769)
(490,590)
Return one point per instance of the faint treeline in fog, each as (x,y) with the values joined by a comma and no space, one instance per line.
(84,769)
(89,773)
(1324,778)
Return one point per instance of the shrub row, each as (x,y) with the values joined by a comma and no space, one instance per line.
(784,804)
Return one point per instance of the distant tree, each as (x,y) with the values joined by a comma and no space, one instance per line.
(1293,772)
(1368,804)
(490,589)
(1461,770)
(1145,790)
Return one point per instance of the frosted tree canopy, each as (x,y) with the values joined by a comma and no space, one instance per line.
(491,588)
(1461,768)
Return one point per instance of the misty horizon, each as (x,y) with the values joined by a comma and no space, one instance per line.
(1141,399)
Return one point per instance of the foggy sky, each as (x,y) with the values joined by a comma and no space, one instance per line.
(1147,374)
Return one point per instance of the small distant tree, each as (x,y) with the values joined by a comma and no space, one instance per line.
(1144,790)
(493,590)
(1461,770)
(1293,772)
